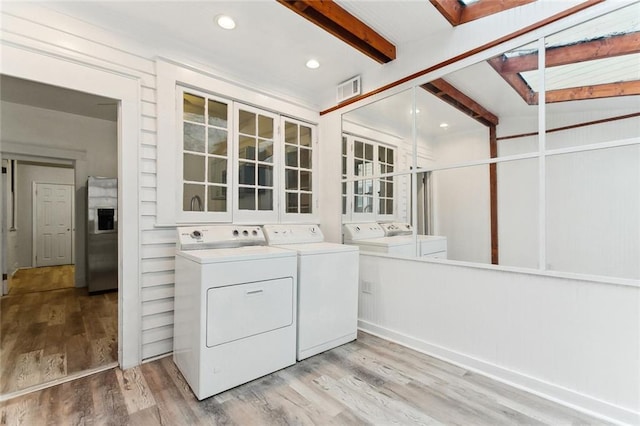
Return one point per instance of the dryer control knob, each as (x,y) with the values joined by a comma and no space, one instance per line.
(196,234)
(254,233)
(245,232)
(235,233)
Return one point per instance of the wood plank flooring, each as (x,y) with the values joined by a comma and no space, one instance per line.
(49,335)
(370,381)
(42,279)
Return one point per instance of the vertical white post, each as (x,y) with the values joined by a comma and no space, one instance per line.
(414,170)
(542,190)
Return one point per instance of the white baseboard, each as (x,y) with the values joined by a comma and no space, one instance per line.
(570,398)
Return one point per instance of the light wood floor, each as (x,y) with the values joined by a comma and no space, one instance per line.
(42,279)
(370,381)
(48,335)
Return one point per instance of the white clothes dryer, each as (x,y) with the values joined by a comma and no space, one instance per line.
(234,307)
(370,237)
(395,238)
(327,287)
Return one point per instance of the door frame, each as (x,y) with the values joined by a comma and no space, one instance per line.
(34,220)
(54,68)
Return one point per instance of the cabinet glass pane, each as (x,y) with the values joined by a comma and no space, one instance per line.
(217,141)
(265,175)
(217,199)
(193,167)
(217,170)
(192,197)
(194,139)
(265,127)
(217,114)
(382,154)
(291,156)
(368,152)
(246,173)
(305,203)
(290,133)
(291,177)
(265,150)
(193,108)
(358,149)
(246,198)
(292,202)
(305,136)
(363,204)
(265,199)
(247,123)
(390,156)
(305,180)
(305,158)
(247,148)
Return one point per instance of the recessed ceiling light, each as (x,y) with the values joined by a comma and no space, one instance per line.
(411,111)
(225,22)
(313,64)
(443,125)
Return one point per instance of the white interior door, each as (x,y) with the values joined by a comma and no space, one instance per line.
(53,224)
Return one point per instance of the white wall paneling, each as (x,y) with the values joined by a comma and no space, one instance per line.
(569,340)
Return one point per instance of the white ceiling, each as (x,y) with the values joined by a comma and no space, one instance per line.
(270,45)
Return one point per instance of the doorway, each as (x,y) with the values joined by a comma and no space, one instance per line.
(52,328)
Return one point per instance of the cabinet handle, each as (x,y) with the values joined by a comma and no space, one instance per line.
(249,293)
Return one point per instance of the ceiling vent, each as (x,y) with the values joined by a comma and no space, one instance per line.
(349,89)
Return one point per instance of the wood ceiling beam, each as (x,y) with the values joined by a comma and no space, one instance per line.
(460,101)
(515,81)
(458,14)
(598,91)
(450,9)
(608,47)
(484,8)
(329,16)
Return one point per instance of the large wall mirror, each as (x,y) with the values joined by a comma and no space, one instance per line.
(514,164)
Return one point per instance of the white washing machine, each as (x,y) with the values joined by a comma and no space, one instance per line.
(327,287)
(235,307)
(434,246)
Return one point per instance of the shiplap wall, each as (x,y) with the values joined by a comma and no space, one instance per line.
(36,28)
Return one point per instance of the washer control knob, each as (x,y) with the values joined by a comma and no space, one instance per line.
(196,234)
(357,229)
(245,232)
(312,229)
(235,233)
(254,233)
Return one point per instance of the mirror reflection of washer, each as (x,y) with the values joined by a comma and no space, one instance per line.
(234,307)
(327,287)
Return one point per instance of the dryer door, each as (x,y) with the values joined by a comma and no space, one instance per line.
(239,311)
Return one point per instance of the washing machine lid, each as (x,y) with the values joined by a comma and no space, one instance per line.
(319,248)
(235,254)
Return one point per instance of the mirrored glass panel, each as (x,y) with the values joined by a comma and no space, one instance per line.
(516,197)
(594,97)
(461,212)
(593,212)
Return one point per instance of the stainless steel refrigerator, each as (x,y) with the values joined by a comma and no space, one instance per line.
(102,234)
